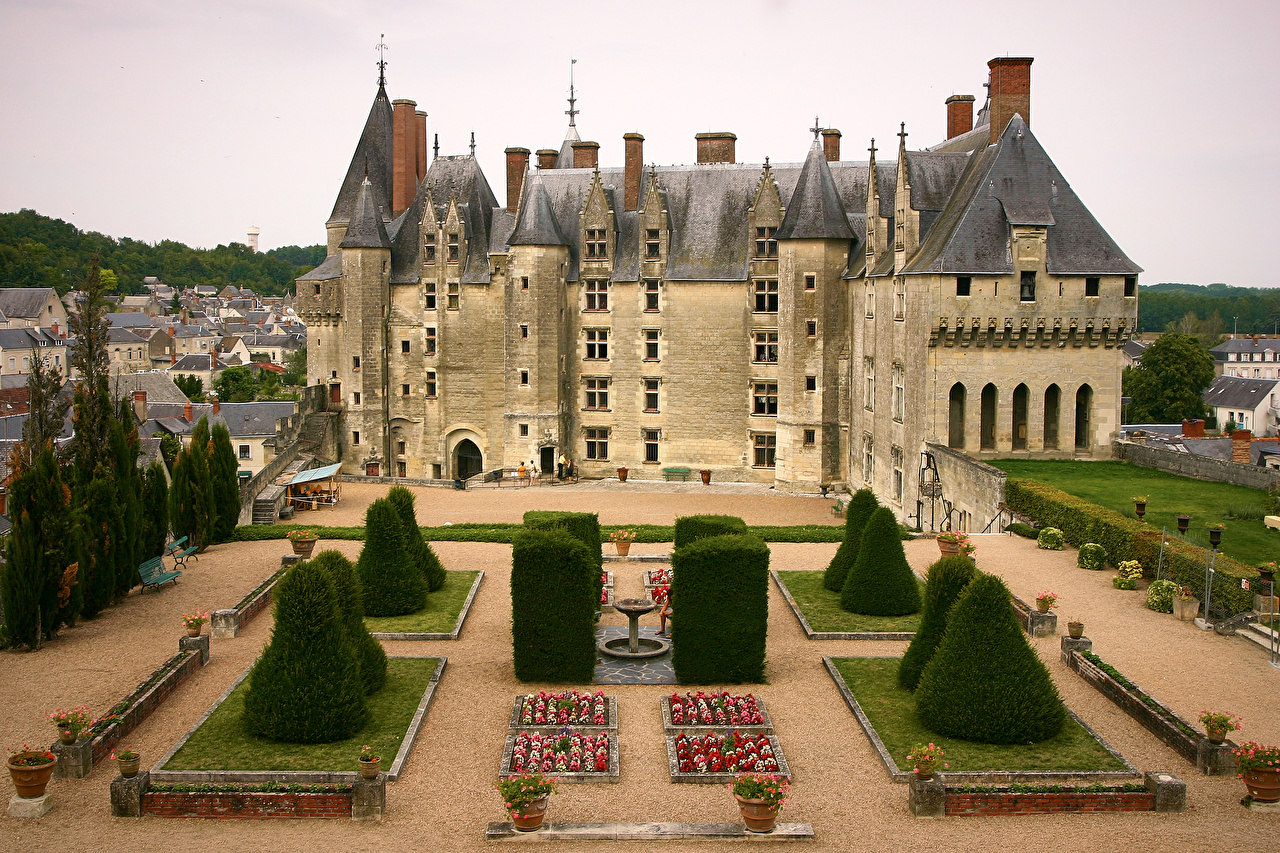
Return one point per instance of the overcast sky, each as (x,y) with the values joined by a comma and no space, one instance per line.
(193,120)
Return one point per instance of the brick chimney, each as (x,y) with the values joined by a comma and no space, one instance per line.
(716,147)
(53,328)
(420,118)
(404,155)
(187,413)
(634,145)
(173,353)
(1193,429)
(547,158)
(959,115)
(217,406)
(517,167)
(586,155)
(1241,441)
(1010,91)
(140,406)
(831,145)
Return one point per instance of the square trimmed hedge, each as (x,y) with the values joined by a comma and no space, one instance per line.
(720,610)
(583,526)
(693,527)
(553,579)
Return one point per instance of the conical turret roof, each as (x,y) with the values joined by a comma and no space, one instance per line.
(815,211)
(366,230)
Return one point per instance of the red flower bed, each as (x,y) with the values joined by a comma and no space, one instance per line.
(568,752)
(715,709)
(731,753)
(573,708)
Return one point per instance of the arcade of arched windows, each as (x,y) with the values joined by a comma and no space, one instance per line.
(998,418)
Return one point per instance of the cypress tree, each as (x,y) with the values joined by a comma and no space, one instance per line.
(861,505)
(881,582)
(350,596)
(128,481)
(191,507)
(23,584)
(224,483)
(985,683)
(420,552)
(306,687)
(947,578)
(155,512)
(392,584)
(100,527)
(38,492)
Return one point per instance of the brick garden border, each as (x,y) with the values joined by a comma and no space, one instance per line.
(697,729)
(1160,791)
(611,710)
(226,624)
(834,635)
(249,804)
(610,776)
(144,700)
(673,764)
(437,635)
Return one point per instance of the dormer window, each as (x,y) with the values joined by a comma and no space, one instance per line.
(1091,285)
(429,248)
(453,248)
(1028,290)
(652,244)
(597,243)
(766,245)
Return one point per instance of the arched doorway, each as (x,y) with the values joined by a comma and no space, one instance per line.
(467,461)
(1084,409)
(955,420)
(1020,395)
(988,417)
(1052,403)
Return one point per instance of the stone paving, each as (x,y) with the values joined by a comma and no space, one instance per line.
(656,670)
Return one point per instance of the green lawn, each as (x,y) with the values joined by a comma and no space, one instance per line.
(1113,484)
(221,743)
(892,711)
(440,614)
(821,607)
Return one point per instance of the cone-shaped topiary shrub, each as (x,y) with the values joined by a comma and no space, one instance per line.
(420,552)
(583,526)
(881,582)
(346,586)
(692,527)
(861,505)
(392,584)
(306,687)
(553,579)
(720,610)
(947,578)
(985,683)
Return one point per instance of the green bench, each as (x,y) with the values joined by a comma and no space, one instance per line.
(179,553)
(676,473)
(153,573)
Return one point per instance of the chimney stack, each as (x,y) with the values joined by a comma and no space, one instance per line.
(547,158)
(1009,91)
(716,147)
(959,115)
(634,145)
(217,406)
(54,328)
(831,145)
(1241,441)
(420,118)
(586,155)
(517,168)
(404,155)
(140,406)
(1193,428)
(186,412)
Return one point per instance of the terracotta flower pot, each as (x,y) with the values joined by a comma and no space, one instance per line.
(128,767)
(193,630)
(1140,509)
(530,817)
(924,775)
(705,474)
(623,548)
(303,547)
(66,736)
(622,478)
(948,548)
(1042,605)
(1216,735)
(1263,785)
(1075,630)
(30,780)
(758,815)
(369,767)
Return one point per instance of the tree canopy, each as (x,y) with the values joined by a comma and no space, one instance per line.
(1168,384)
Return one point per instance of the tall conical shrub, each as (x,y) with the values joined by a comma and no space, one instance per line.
(306,687)
(947,578)
(224,483)
(420,551)
(881,582)
(350,596)
(985,683)
(861,505)
(155,512)
(392,584)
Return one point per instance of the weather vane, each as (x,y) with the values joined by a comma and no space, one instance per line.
(382,62)
(571,112)
(817,127)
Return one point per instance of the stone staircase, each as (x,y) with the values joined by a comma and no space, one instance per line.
(1256,632)
(266,506)
(315,428)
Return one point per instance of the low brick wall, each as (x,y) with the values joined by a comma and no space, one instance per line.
(247,804)
(229,623)
(145,699)
(960,803)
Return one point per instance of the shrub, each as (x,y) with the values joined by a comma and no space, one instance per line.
(692,527)
(420,553)
(720,610)
(1092,556)
(861,505)
(392,584)
(946,579)
(1127,576)
(553,579)
(1050,539)
(306,687)
(583,526)
(985,683)
(1160,595)
(224,483)
(881,582)
(350,596)
(1026,531)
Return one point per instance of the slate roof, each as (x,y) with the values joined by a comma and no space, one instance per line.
(1233,392)
(372,158)
(16,339)
(245,420)
(1246,347)
(123,336)
(1134,349)
(815,211)
(159,387)
(130,319)
(197,361)
(25,302)
(536,225)
(330,268)
(366,230)
(454,177)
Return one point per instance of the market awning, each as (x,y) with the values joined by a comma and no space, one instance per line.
(315,474)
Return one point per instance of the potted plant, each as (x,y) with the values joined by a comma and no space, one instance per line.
(525,797)
(705,474)
(622,540)
(622,474)
(193,622)
(955,542)
(1075,629)
(71,723)
(1215,533)
(1186,605)
(31,770)
(1127,575)
(127,761)
(303,541)
(1184,521)
(370,762)
(925,760)
(760,797)
(1140,505)
(1217,724)
(1260,769)
(1046,601)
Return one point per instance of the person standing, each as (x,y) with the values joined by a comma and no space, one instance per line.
(521,473)
(560,463)
(533,472)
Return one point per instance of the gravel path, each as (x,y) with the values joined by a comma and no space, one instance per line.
(445,797)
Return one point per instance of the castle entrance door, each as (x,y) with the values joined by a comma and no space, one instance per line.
(467,460)
(547,464)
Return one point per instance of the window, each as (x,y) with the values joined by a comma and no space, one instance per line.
(1028,292)
(1230,357)
(899,395)
(651,439)
(1091,286)
(868,458)
(429,295)
(597,295)
(766,346)
(524,430)
(431,340)
(404,346)
(524,377)
(245,452)
(963,285)
(869,370)
(766,245)
(12,362)
(810,436)
(899,300)
(452,296)
(766,296)
(404,390)
(524,332)
(895,454)
(355,362)
(764,398)
(431,383)
(597,394)
(355,398)
(870,301)
(317,289)
(766,447)
(597,243)
(651,294)
(402,469)
(651,395)
(811,328)
(400,448)
(651,344)
(597,444)
(429,247)
(355,436)
(652,244)
(453,248)
(597,344)
(1131,285)
(810,281)
(524,282)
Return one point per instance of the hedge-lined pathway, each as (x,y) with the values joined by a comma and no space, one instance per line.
(445,798)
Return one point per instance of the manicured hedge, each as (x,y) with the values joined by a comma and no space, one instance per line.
(720,610)
(945,582)
(553,580)
(881,582)
(583,526)
(1026,531)
(693,527)
(419,550)
(861,505)
(499,532)
(350,594)
(393,585)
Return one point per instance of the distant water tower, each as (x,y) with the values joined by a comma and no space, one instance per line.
(253,232)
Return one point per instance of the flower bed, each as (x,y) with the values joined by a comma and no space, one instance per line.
(128,714)
(716,758)
(581,710)
(569,755)
(606,590)
(695,712)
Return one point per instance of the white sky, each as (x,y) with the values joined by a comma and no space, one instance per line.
(193,120)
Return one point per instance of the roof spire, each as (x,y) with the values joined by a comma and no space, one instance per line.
(473,143)
(382,62)
(817,127)
(902,136)
(435,149)
(571,112)
(873,181)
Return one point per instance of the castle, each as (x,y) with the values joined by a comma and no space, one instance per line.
(829,323)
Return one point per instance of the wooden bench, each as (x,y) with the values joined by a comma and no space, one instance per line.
(676,473)
(179,553)
(153,573)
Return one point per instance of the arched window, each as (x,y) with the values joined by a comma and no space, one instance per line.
(1084,414)
(989,399)
(955,418)
(1052,404)
(1020,395)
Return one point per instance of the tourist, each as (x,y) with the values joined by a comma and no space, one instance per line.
(560,467)
(521,473)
